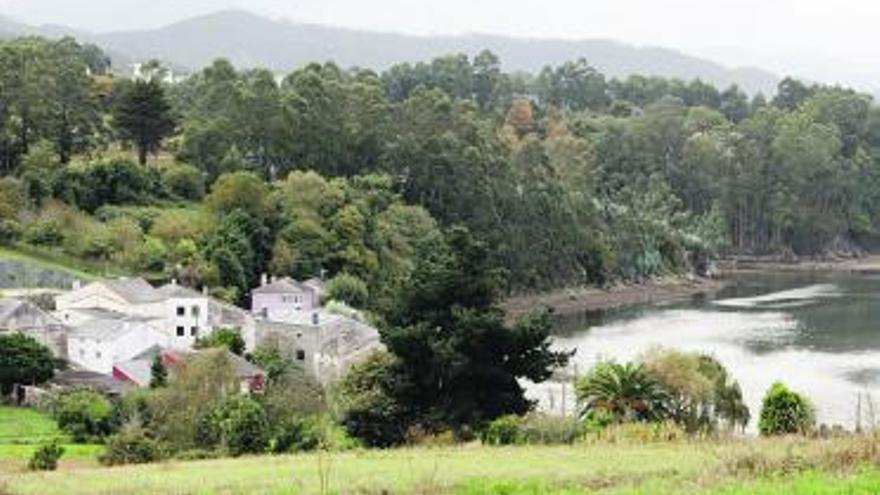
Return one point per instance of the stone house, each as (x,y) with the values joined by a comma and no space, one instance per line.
(20,316)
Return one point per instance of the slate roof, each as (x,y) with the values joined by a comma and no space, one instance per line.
(286,285)
(89,379)
(283,286)
(103,329)
(134,290)
(179,291)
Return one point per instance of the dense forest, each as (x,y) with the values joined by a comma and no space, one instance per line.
(567,177)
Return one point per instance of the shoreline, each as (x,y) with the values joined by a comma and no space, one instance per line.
(576,300)
(867,265)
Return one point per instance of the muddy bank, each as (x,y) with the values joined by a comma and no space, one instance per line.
(866,265)
(578,300)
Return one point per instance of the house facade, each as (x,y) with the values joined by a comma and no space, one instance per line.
(21,316)
(99,343)
(183,314)
(285,298)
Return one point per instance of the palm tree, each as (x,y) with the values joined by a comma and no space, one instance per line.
(625,391)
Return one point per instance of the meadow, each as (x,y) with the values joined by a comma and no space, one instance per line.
(23,430)
(724,467)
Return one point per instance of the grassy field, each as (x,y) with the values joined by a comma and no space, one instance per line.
(23,430)
(710,468)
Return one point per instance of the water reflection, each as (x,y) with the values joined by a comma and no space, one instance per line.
(818,333)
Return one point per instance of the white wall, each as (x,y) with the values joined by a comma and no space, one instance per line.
(282,307)
(195,321)
(100,355)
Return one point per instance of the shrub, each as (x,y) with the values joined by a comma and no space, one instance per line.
(239,424)
(348,289)
(297,435)
(130,446)
(785,412)
(46,457)
(625,391)
(367,398)
(545,429)
(228,338)
(503,431)
(44,232)
(184,181)
(10,232)
(84,415)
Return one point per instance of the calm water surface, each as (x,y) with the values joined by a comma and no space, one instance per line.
(818,333)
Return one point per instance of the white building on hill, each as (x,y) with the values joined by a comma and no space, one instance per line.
(116,320)
(99,343)
(289,315)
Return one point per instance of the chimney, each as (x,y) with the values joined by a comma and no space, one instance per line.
(76,285)
(204,290)
(174,281)
(264,280)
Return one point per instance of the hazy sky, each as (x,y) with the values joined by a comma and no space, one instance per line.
(782,35)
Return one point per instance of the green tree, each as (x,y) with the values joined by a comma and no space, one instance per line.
(239,424)
(454,345)
(624,391)
(370,400)
(23,361)
(785,412)
(158,373)
(226,338)
(142,115)
(84,415)
(348,289)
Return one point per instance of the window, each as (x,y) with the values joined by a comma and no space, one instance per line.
(300,355)
(181,331)
(194,331)
(98,354)
(196,310)
(181,311)
(82,353)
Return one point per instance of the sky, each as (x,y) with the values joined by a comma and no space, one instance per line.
(820,39)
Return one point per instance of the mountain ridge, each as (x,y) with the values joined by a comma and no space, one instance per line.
(250,40)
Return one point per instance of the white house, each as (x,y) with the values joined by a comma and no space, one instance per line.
(187,314)
(125,295)
(99,343)
(285,298)
(183,314)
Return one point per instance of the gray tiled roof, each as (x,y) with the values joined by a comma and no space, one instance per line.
(179,291)
(134,290)
(89,379)
(102,329)
(282,286)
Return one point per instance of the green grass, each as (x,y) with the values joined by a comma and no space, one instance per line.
(23,430)
(708,468)
(25,426)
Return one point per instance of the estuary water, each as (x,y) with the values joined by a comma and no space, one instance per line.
(819,333)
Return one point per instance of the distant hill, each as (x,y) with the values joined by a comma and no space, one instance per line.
(249,40)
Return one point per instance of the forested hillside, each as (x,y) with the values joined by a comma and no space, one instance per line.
(567,176)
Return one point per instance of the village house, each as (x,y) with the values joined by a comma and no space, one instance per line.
(25,317)
(116,320)
(285,299)
(99,343)
(289,316)
(138,371)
